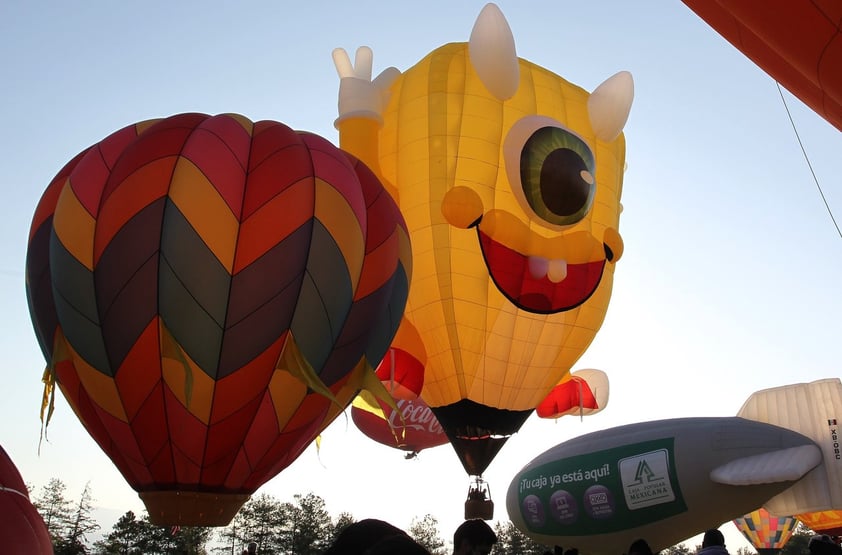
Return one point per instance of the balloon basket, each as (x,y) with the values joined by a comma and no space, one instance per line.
(192,508)
(479,503)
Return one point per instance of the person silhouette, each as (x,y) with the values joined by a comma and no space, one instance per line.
(640,547)
(822,544)
(713,543)
(358,537)
(473,537)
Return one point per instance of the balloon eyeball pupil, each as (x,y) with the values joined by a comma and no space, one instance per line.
(563,190)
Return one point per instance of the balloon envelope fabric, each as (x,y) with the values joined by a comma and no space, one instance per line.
(804,58)
(768,534)
(823,522)
(22,530)
(209,293)
(510,181)
(412,427)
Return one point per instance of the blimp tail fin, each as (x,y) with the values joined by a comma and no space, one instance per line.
(811,409)
(786,465)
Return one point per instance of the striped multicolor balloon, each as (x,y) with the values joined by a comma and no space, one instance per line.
(767,533)
(209,293)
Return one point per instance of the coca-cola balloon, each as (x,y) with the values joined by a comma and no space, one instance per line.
(412,427)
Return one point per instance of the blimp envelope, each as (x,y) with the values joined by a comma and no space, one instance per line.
(663,481)
(815,410)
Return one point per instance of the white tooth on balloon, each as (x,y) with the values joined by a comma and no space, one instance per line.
(557,270)
(538,266)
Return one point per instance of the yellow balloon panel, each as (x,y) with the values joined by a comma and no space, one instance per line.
(513,210)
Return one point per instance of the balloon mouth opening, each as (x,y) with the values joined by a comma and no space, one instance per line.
(510,271)
(192,508)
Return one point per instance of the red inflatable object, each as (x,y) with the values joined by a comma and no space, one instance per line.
(22,530)
(401,373)
(411,429)
(797,42)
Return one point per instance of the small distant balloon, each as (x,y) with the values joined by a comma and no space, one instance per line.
(412,427)
(768,534)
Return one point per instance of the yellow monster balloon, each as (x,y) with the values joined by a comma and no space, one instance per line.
(509,178)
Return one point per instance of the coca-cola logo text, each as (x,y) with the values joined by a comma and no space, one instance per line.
(415,417)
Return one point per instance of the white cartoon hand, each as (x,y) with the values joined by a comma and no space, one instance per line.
(359,96)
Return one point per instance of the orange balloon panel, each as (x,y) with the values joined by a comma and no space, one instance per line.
(825,522)
(208,293)
(797,42)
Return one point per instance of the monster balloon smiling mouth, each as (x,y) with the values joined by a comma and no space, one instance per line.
(546,279)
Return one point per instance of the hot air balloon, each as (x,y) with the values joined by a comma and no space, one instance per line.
(509,178)
(22,530)
(768,534)
(583,392)
(209,293)
(823,522)
(797,42)
(411,428)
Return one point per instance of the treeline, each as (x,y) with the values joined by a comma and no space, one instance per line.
(302,526)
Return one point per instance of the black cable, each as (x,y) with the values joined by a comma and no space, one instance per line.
(809,165)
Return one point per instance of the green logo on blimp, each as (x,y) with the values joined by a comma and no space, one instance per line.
(646,479)
(606,491)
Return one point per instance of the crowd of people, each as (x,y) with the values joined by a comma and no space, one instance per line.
(475,537)
(713,543)
(376,537)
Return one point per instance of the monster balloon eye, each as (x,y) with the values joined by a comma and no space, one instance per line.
(551,170)
(556,171)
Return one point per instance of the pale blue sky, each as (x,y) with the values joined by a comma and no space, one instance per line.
(730,278)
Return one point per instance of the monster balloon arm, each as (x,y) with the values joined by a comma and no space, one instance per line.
(361,104)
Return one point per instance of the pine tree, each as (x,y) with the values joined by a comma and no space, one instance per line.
(341,522)
(679,549)
(426,533)
(799,542)
(257,521)
(55,509)
(305,526)
(80,524)
(123,538)
(187,540)
(512,541)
